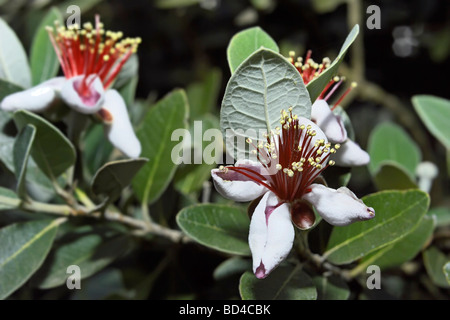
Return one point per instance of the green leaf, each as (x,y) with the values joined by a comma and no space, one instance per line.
(244,43)
(441,215)
(43,60)
(331,288)
(316,86)
(171,4)
(263,84)
(396,214)
(155,134)
(392,176)
(21,153)
(7,88)
(389,141)
(90,251)
(230,267)
(128,71)
(324,6)
(114,176)
(128,91)
(13,59)
(284,283)
(203,96)
(446,270)
(434,112)
(219,227)
(8,199)
(434,261)
(51,150)
(24,248)
(404,249)
(97,149)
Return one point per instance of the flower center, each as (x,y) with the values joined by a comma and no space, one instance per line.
(90,51)
(298,156)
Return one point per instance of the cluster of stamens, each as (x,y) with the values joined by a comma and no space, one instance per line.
(298,159)
(91,50)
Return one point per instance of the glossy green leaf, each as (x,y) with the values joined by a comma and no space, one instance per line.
(284,283)
(331,288)
(434,261)
(21,153)
(220,227)
(8,199)
(404,249)
(316,86)
(51,150)
(263,84)
(434,112)
(14,66)
(441,215)
(114,176)
(203,96)
(232,266)
(392,176)
(396,214)
(389,142)
(155,134)
(245,43)
(24,248)
(90,251)
(43,60)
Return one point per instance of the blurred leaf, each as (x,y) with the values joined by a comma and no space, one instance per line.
(446,270)
(128,71)
(396,214)
(114,176)
(434,112)
(435,261)
(21,153)
(203,96)
(284,283)
(172,4)
(230,267)
(43,59)
(324,6)
(262,4)
(167,115)
(331,288)
(7,88)
(440,44)
(441,215)
(101,286)
(128,91)
(219,227)
(51,150)
(389,141)
(89,251)
(404,249)
(85,5)
(263,84)
(391,176)
(8,199)
(316,86)
(244,43)
(24,248)
(97,149)
(13,59)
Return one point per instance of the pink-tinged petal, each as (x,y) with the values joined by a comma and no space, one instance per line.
(35,99)
(338,207)
(350,154)
(118,127)
(236,186)
(271,235)
(89,102)
(332,125)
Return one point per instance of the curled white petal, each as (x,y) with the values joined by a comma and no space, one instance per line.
(271,235)
(35,99)
(331,124)
(350,154)
(338,207)
(90,103)
(120,131)
(235,186)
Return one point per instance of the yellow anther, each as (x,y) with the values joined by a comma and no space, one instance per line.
(248,140)
(292,53)
(336,79)
(278,166)
(331,163)
(337,146)
(302,127)
(290,173)
(354,84)
(332,150)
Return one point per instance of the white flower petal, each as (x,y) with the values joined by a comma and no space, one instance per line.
(35,99)
(235,186)
(120,131)
(271,235)
(89,104)
(332,125)
(338,207)
(350,154)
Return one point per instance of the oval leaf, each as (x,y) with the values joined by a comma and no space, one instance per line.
(155,135)
(21,153)
(220,227)
(396,214)
(284,283)
(434,112)
(24,248)
(435,261)
(391,176)
(245,42)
